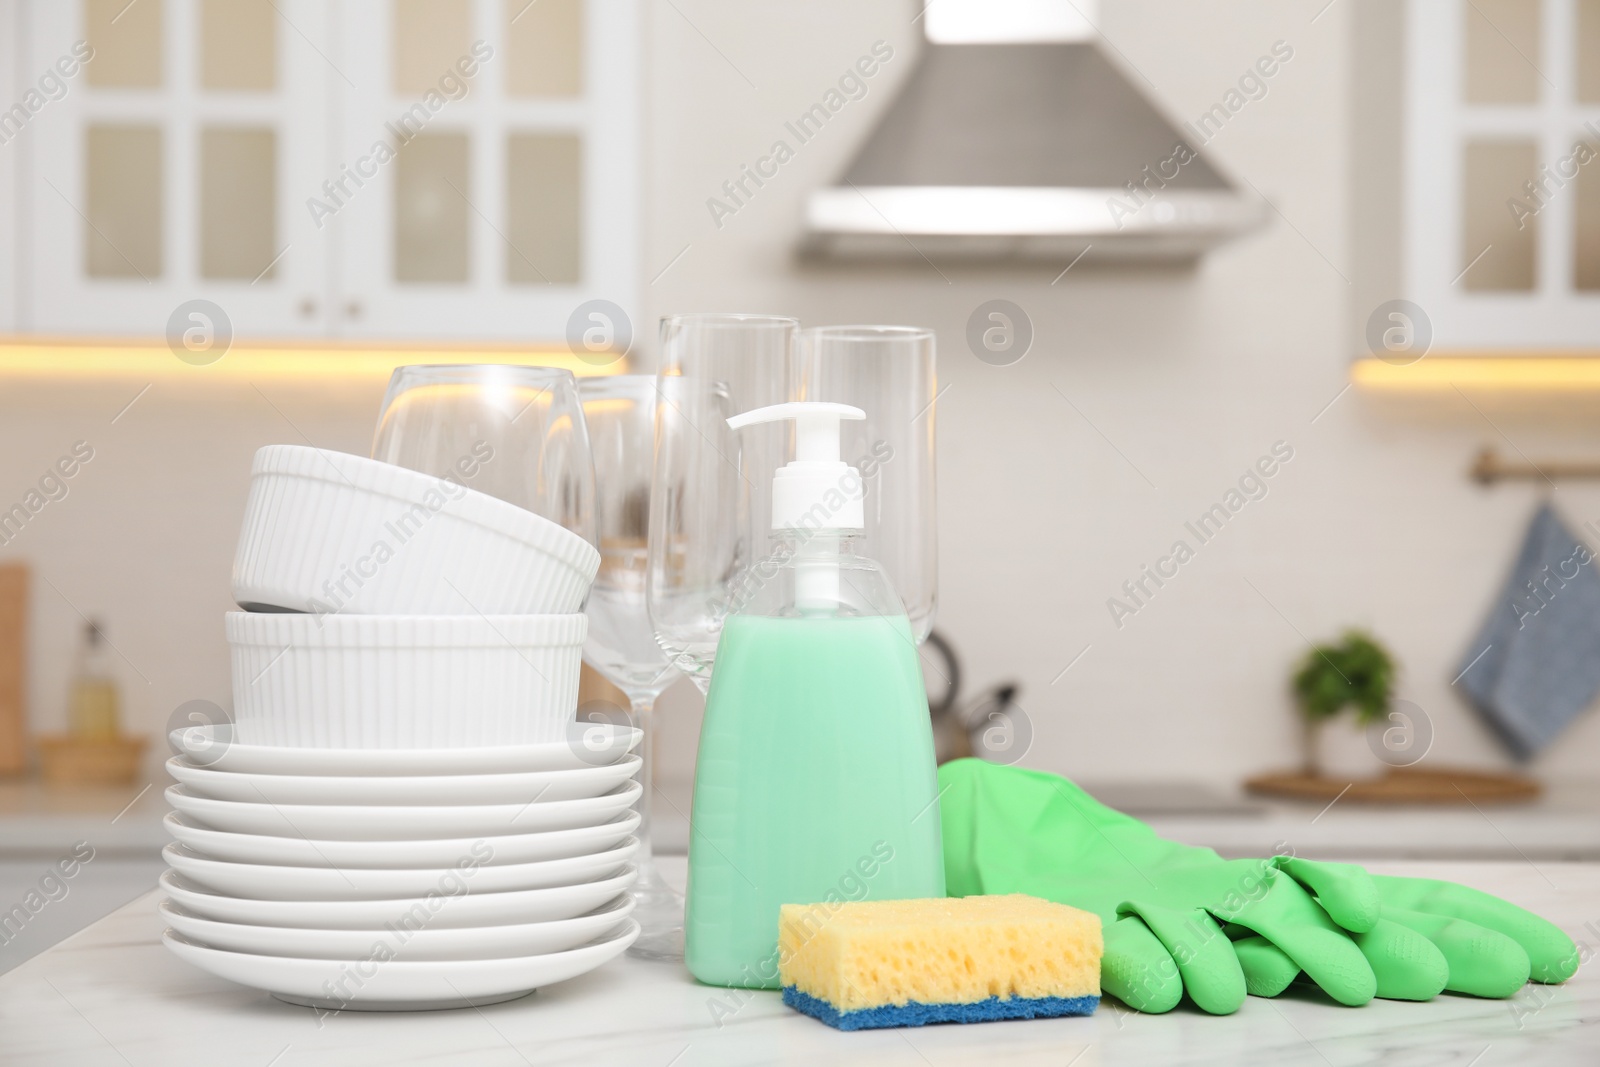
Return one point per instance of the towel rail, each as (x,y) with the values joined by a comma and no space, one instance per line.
(1489,468)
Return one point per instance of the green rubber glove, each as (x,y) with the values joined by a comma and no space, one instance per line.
(1011,830)
(1008,830)
(1433,936)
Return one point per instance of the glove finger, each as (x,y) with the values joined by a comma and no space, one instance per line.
(1204,955)
(1552,956)
(1345,891)
(1287,916)
(1483,962)
(1137,969)
(1267,971)
(1406,964)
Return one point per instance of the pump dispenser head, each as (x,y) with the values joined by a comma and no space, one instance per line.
(816,490)
(817,496)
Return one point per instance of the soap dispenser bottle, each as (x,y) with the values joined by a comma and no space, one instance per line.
(816,780)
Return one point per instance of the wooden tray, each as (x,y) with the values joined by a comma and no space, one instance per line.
(1401,785)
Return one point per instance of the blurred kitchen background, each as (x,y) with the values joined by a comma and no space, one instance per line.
(222,223)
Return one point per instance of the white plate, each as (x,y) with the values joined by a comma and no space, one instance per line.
(298,852)
(438,913)
(588,744)
(574,784)
(400,822)
(376,984)
(331,883)
(467,943)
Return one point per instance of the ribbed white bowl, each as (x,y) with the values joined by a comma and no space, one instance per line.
(327,532)
(404,681)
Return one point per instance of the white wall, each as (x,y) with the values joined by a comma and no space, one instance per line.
(1186,377)
(144,537)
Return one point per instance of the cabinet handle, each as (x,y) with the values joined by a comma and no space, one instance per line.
(308,308)
(352,309)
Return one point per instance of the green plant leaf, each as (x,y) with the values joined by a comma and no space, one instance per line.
(1356,672)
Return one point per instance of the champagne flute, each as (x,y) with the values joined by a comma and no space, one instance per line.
(711,498)
(620,412)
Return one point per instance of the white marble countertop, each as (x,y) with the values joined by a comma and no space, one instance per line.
(37,818)
(113,995)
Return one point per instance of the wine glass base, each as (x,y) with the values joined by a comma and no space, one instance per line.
(658,945)
(659,912)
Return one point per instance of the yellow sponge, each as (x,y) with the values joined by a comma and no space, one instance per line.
(909,962)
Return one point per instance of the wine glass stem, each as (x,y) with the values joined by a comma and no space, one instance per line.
(643,707)
(658,907)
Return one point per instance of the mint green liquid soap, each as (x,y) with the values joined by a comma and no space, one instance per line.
(815,782)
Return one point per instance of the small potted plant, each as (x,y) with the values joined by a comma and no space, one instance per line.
(1354,674)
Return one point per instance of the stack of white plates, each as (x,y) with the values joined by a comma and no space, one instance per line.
(403,813)
(399,879)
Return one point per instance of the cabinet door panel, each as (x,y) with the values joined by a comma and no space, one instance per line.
(544,48)
(1501,243)
(122,232)
(10,163)
(431,218)
(239,45)
(239,220)
(492,202)
(544,209)
(175,166)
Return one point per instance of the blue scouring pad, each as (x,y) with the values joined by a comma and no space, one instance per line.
(915,1014)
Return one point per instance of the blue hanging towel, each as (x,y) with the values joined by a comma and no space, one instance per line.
(1535,665)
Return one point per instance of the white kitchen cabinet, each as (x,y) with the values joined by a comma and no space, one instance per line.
(10,250)
(512,199)
(370,169)
(1501,172)
(159,178)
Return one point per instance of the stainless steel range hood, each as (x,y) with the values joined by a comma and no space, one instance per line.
(1016,138)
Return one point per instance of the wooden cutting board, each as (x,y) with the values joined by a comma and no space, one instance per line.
(13,668)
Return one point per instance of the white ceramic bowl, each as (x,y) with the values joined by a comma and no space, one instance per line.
(423,943)
(378,984)
(541,786)
(335,883)
(588,744)
(440,852)
(331,532)
(436,913)
(399,822)
(404,681)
